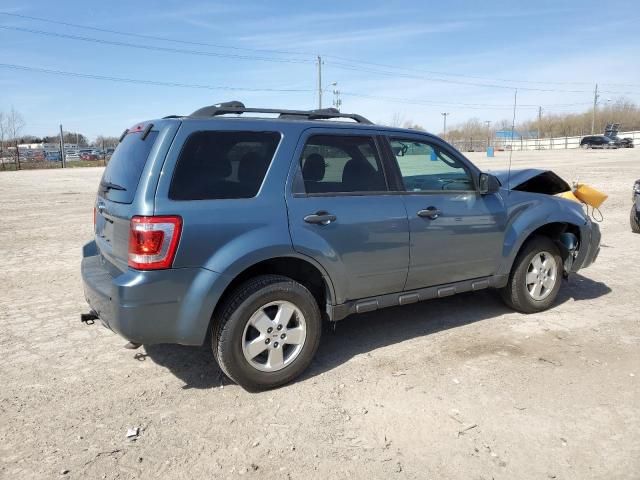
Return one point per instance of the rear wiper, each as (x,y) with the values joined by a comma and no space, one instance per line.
(112,186)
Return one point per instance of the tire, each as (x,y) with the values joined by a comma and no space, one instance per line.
(517,293)
(585,146)
(633,219)
(250,316)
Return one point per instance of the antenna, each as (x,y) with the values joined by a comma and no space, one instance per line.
(513,126)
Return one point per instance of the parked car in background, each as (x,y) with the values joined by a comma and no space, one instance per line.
(623,142)
(635,208)
(597,141)
(53,156)
(258,229)
(88,156)
(611,131)
(71,155)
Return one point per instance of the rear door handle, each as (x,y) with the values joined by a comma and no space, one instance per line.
(320,218)
(429,212)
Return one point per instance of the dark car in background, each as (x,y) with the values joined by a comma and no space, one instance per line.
(597,141)
(635,208)
(611,131)
(623,142)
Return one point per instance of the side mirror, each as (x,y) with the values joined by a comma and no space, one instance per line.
(487,183)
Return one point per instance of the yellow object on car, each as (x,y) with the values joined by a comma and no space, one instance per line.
(582,193)
(589,195)
(569,196)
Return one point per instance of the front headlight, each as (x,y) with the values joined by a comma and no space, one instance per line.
(636,187)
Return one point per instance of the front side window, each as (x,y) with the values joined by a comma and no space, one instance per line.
(222,164)
(426,168)
(341,164)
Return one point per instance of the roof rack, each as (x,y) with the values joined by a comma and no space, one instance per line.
(239,108)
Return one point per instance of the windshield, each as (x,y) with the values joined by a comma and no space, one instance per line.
(120,179)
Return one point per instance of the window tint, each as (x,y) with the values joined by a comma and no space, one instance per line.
(425,167)
(120,179)
(340,164)
(214,165)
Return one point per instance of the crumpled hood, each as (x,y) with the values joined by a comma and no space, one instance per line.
(532,180)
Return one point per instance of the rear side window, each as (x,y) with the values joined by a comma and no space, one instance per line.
(341,164)
(216,165)
(120,179)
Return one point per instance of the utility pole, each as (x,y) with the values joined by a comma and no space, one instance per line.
(62,156)
(539,123)
(319,82)
(444,116)
(337,101)
(595,105)
(488,122)
(539,120)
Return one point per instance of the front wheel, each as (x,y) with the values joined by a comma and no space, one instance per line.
(535,277)
(266,332)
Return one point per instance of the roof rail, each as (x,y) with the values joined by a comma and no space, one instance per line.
(239,108)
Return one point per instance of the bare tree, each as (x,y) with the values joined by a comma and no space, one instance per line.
(397,120)
(413,126)
(14,125)
(3,130)
(103,142)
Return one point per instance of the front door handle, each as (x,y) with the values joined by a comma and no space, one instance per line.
(429,212)
(320,218)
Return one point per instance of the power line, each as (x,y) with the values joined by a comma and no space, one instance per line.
(477,106)
(458,82)
(464,75)
(449,74)
(154,48)
(309,54)
(151,37)
(151,82)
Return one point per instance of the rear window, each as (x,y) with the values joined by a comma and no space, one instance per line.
(216,165)
(120,179)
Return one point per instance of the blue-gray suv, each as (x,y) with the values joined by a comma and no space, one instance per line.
(245,229)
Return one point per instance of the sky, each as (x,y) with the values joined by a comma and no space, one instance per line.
(409,60)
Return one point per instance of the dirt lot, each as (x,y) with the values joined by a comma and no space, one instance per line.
(454,388)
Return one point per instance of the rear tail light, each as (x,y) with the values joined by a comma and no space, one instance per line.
(153,241)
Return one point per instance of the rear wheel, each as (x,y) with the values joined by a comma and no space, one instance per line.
(535,277)
(633,219)
(267,332)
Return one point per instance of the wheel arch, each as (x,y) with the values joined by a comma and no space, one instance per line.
(301,269)
(552,230)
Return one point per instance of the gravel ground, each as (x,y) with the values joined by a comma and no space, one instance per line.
(453,388)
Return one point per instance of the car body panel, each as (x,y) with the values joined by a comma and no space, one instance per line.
(366,249)
(463,242)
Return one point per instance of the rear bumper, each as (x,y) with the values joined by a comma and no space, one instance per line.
(163,306)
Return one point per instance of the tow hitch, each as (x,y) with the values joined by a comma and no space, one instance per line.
(89,318)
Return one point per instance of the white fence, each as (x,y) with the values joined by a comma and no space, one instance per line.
(556,143)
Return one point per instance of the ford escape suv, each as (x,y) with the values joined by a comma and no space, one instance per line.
(248,232)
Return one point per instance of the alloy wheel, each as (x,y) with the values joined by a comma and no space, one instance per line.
(274,336)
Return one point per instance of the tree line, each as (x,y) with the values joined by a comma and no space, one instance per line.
(622,111)
(12,125)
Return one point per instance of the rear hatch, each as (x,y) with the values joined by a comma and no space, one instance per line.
(117,191)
